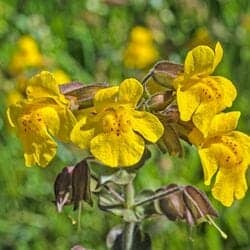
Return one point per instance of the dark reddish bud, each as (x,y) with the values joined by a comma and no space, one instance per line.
(63,187)
(173,205)
(81,184)
(187,203)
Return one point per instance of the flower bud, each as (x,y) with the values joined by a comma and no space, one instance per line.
(173,205)
(80,95)
(161,100)
(187,203)
(165,72)
(63,187)
(81,184)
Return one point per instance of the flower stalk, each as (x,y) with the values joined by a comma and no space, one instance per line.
(128,226)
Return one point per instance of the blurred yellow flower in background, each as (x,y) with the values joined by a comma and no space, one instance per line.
(201,36)
(140,51)
(27,55)
(199,95)
(45,113)
(226,153)
(113,129)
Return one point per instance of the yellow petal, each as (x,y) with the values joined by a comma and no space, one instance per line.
(223,123)
(105,98)
(196,137)
(199,60)
(34,125)
(13,113)
(130,92)
(67,122)
(230,184)
(216,93)
(244,141)
(187,101)
(39,146)
(218,54)
(117,151)
(147,125)
(209,164)
(49,116)
(82,137)
(44,85)
(202,118)
(226,89)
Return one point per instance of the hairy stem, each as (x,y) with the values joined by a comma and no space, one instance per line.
(128,235)
(157,196)
(127,242)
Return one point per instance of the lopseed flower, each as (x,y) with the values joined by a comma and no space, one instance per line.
(226,153)
(26,56)
(43,115)
(140,51)
(198,92)
(113,129)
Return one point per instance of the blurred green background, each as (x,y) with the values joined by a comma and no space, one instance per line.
(89,41)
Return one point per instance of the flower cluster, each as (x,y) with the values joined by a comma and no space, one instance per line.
(112,128)
(140,51)
(115,123)
(201,98)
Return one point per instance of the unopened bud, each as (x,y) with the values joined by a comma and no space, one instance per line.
(161,100)
(81,184)
(63,187)
(80,95)
(165,72)
(171,114)
(173,205)
(187,203)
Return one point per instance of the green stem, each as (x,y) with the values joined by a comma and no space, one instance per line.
(128,235)
(129,195)
(156,196)
(128,226)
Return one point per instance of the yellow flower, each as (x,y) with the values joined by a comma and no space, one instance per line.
(27,55)
(198,92)
(140,52)
(141,35)
(113,129)
(225,153)
(44,114)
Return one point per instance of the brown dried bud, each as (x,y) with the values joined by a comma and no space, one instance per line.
(80,95)
(171,140)
(188,203)
(161,100)
(81,184)
(72,185)
(63,187)
(170,114)
(164,72)
(173,205)
(198,203)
